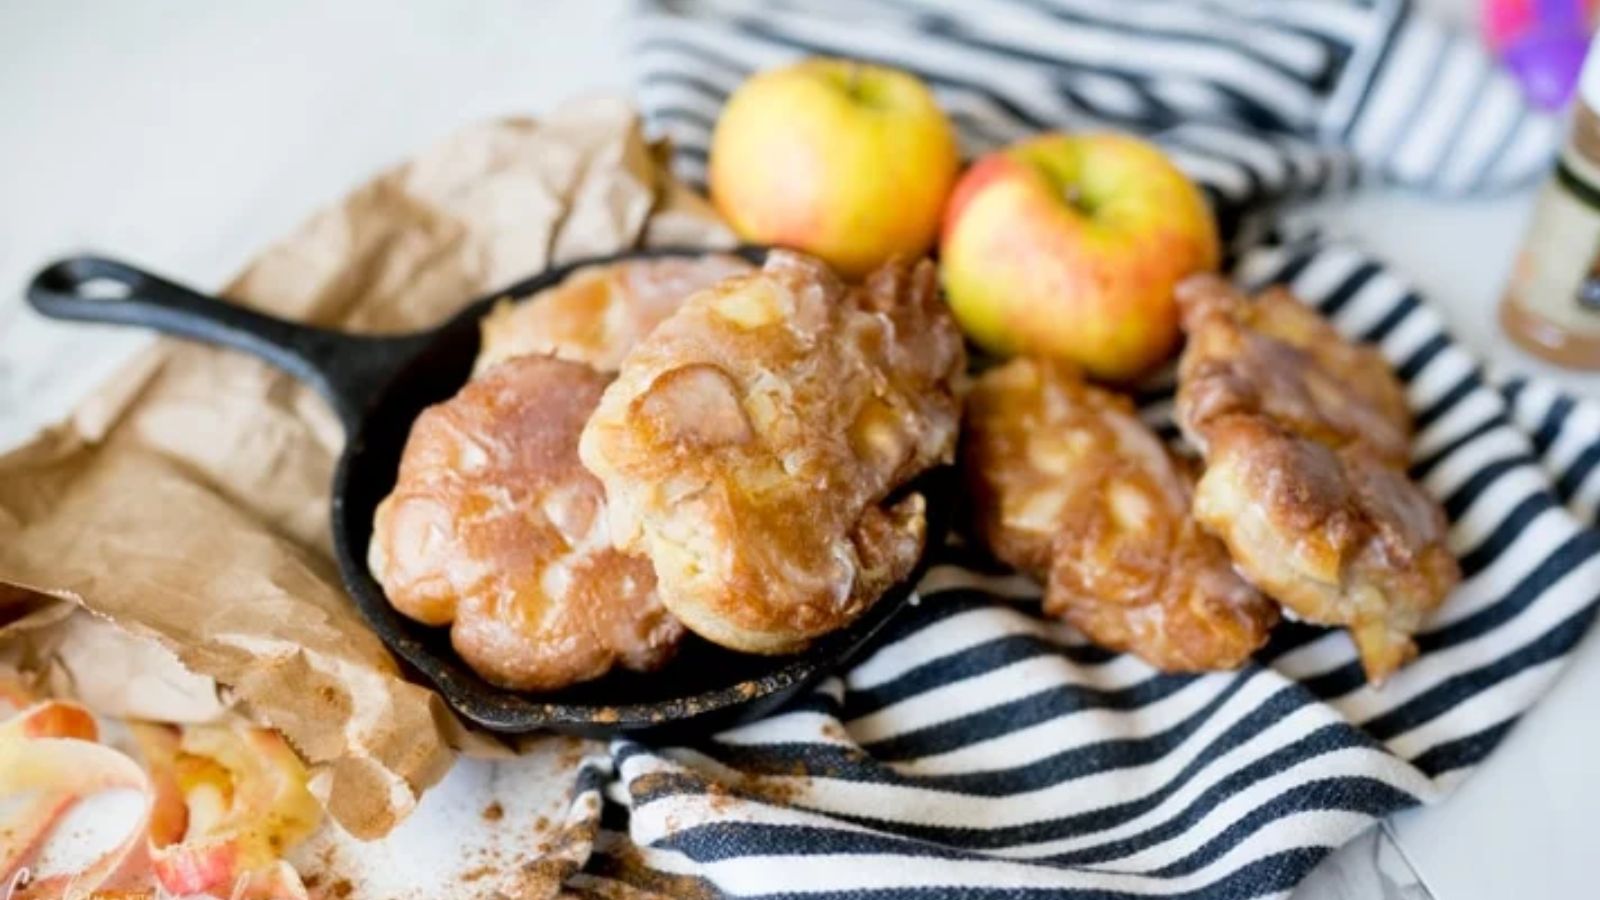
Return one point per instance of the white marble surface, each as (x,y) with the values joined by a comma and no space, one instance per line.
(184,135)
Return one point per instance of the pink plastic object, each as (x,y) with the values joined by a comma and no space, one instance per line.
(1542,43)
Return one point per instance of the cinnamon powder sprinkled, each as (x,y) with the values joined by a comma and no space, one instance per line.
(626,864)
(494,812)
(572,752)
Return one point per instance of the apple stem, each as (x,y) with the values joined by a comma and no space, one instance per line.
(1074,196)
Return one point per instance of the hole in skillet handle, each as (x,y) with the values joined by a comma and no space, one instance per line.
(91,277)
(703,688)
(68,287)
(103,289)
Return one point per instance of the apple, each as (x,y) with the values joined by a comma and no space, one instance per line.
(846,161)
(245,802)
(222,804)
(1068,246)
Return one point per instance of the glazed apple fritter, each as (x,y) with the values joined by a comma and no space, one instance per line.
(1276,357)
(1305,438)
(597,313)
(750,445)
(1338,536)
(495,529)
(1071,487)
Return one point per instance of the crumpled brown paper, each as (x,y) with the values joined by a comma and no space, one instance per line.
(184,508)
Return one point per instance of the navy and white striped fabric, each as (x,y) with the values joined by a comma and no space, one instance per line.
(982,751)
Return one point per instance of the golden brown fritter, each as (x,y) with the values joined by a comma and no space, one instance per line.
(1306,437)
(597,313)
(1276,357)
(1338,536)
(1071,487)
(750,443)
(495,529)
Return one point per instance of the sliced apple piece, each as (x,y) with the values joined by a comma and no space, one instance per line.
(247,802)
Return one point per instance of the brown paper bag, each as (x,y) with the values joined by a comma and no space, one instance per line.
(184,508)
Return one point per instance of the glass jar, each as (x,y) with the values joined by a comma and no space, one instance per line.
(1552,304)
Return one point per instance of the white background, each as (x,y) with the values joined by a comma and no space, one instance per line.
(184,136)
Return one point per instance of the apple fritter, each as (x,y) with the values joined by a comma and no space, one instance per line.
(597,313)
(495,529)
(1071,487)
(1276,357)
(751,444)
(1305,438)
(1339,536)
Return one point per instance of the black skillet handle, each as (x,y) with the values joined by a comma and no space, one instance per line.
(346,369)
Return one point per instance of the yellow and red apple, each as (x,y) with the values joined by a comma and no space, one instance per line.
(227,802)
(847,161)
(1068,246)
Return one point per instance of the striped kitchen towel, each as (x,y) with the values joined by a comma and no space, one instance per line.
(980,750)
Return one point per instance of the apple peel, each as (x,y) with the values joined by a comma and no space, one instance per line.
(244,792)
(50,750)
(221,805)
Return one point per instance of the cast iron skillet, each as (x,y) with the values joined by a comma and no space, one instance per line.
(377,385)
